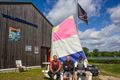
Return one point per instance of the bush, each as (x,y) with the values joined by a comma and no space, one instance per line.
(115,61)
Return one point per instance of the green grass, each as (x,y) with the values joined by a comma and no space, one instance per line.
(36,74)
(109,69)
(33,74)
(107,61)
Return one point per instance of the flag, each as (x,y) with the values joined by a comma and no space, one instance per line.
(65,41)
(82,14)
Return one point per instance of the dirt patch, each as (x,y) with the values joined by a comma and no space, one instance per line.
(103,77)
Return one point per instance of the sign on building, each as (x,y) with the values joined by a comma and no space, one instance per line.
(28,48)
(36,50)
(14,34)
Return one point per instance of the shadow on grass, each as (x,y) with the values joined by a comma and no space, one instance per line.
(45,78)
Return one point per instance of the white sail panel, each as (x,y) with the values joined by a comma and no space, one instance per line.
(65,41)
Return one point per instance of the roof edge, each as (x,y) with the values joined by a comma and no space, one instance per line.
(13,2)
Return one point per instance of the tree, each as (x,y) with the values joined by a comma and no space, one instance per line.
(96,52)
(86,50)
(91,54)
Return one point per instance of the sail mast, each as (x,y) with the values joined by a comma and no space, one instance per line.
(77,27)
(76,14)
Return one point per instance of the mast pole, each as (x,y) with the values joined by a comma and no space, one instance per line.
(77,13)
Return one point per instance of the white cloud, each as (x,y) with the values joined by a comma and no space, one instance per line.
(92,7)
(110,30)
(115,14)
(90,34)
(65,8)
(107,39)
(61,10)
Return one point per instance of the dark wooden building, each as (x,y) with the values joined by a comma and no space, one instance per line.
(32,38)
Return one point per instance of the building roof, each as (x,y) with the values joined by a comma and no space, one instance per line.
(24,2)
(15,0)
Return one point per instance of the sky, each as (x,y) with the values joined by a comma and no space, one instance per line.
(103,29)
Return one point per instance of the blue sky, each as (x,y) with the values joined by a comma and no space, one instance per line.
(45,6)
(103,30)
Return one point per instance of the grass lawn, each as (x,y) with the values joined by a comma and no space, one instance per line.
(109,69)
(33,74)
(36,74)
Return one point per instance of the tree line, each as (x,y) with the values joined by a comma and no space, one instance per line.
(97,53)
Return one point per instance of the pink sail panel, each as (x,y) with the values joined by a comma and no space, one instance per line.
(65,30)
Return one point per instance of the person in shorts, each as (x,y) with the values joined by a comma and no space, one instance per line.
(68,68)
(79,68)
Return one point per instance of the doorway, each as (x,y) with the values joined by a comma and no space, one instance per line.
(44,54)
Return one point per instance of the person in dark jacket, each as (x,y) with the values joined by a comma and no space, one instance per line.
(55,67)
(68,68)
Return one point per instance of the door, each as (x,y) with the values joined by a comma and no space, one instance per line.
(44,55)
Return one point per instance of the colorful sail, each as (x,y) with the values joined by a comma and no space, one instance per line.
(65,41)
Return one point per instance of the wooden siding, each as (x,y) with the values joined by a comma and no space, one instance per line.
(41,36)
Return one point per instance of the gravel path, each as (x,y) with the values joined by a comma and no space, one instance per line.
(103,77)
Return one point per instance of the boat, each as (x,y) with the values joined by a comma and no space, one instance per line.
(65,41)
